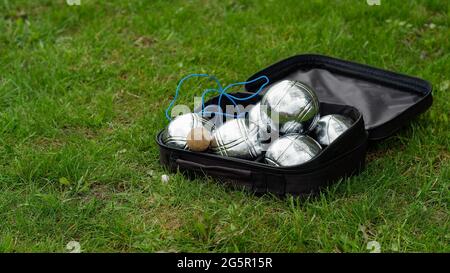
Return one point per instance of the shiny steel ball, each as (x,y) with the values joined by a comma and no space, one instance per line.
(288,100)
(267,129)
(176,133)
(295,127)
(235,138)
(330,127)
(291,150)
(292,127)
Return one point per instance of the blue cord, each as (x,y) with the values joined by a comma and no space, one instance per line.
(244,83)
(221,91)
(233,98)
(180,83)
(220,113)
(217,91)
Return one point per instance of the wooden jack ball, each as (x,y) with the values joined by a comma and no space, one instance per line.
(198,139)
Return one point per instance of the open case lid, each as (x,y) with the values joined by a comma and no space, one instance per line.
(387,100)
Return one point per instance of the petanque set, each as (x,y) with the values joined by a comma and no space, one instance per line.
(301,124)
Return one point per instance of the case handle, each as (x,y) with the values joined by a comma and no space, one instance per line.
(218,170)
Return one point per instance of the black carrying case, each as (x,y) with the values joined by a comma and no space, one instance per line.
(380,102)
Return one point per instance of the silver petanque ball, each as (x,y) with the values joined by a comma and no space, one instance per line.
(330,127)
(290,150)
(235,138)
(292,127)
(266,126)
(295,127)
(291,101)
(176,133)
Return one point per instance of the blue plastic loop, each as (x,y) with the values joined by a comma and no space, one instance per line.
(222,92)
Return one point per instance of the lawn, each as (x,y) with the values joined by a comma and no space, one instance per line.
(83,90)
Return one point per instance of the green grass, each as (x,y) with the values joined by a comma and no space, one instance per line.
(83,91)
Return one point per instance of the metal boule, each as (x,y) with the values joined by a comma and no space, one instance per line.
(291,150)
(267,128)
(176,133)
(292,104)
(294,127)
(330,127)
(236,138)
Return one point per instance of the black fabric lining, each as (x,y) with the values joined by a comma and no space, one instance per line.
(308,61)
(378,104)
(387,100)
